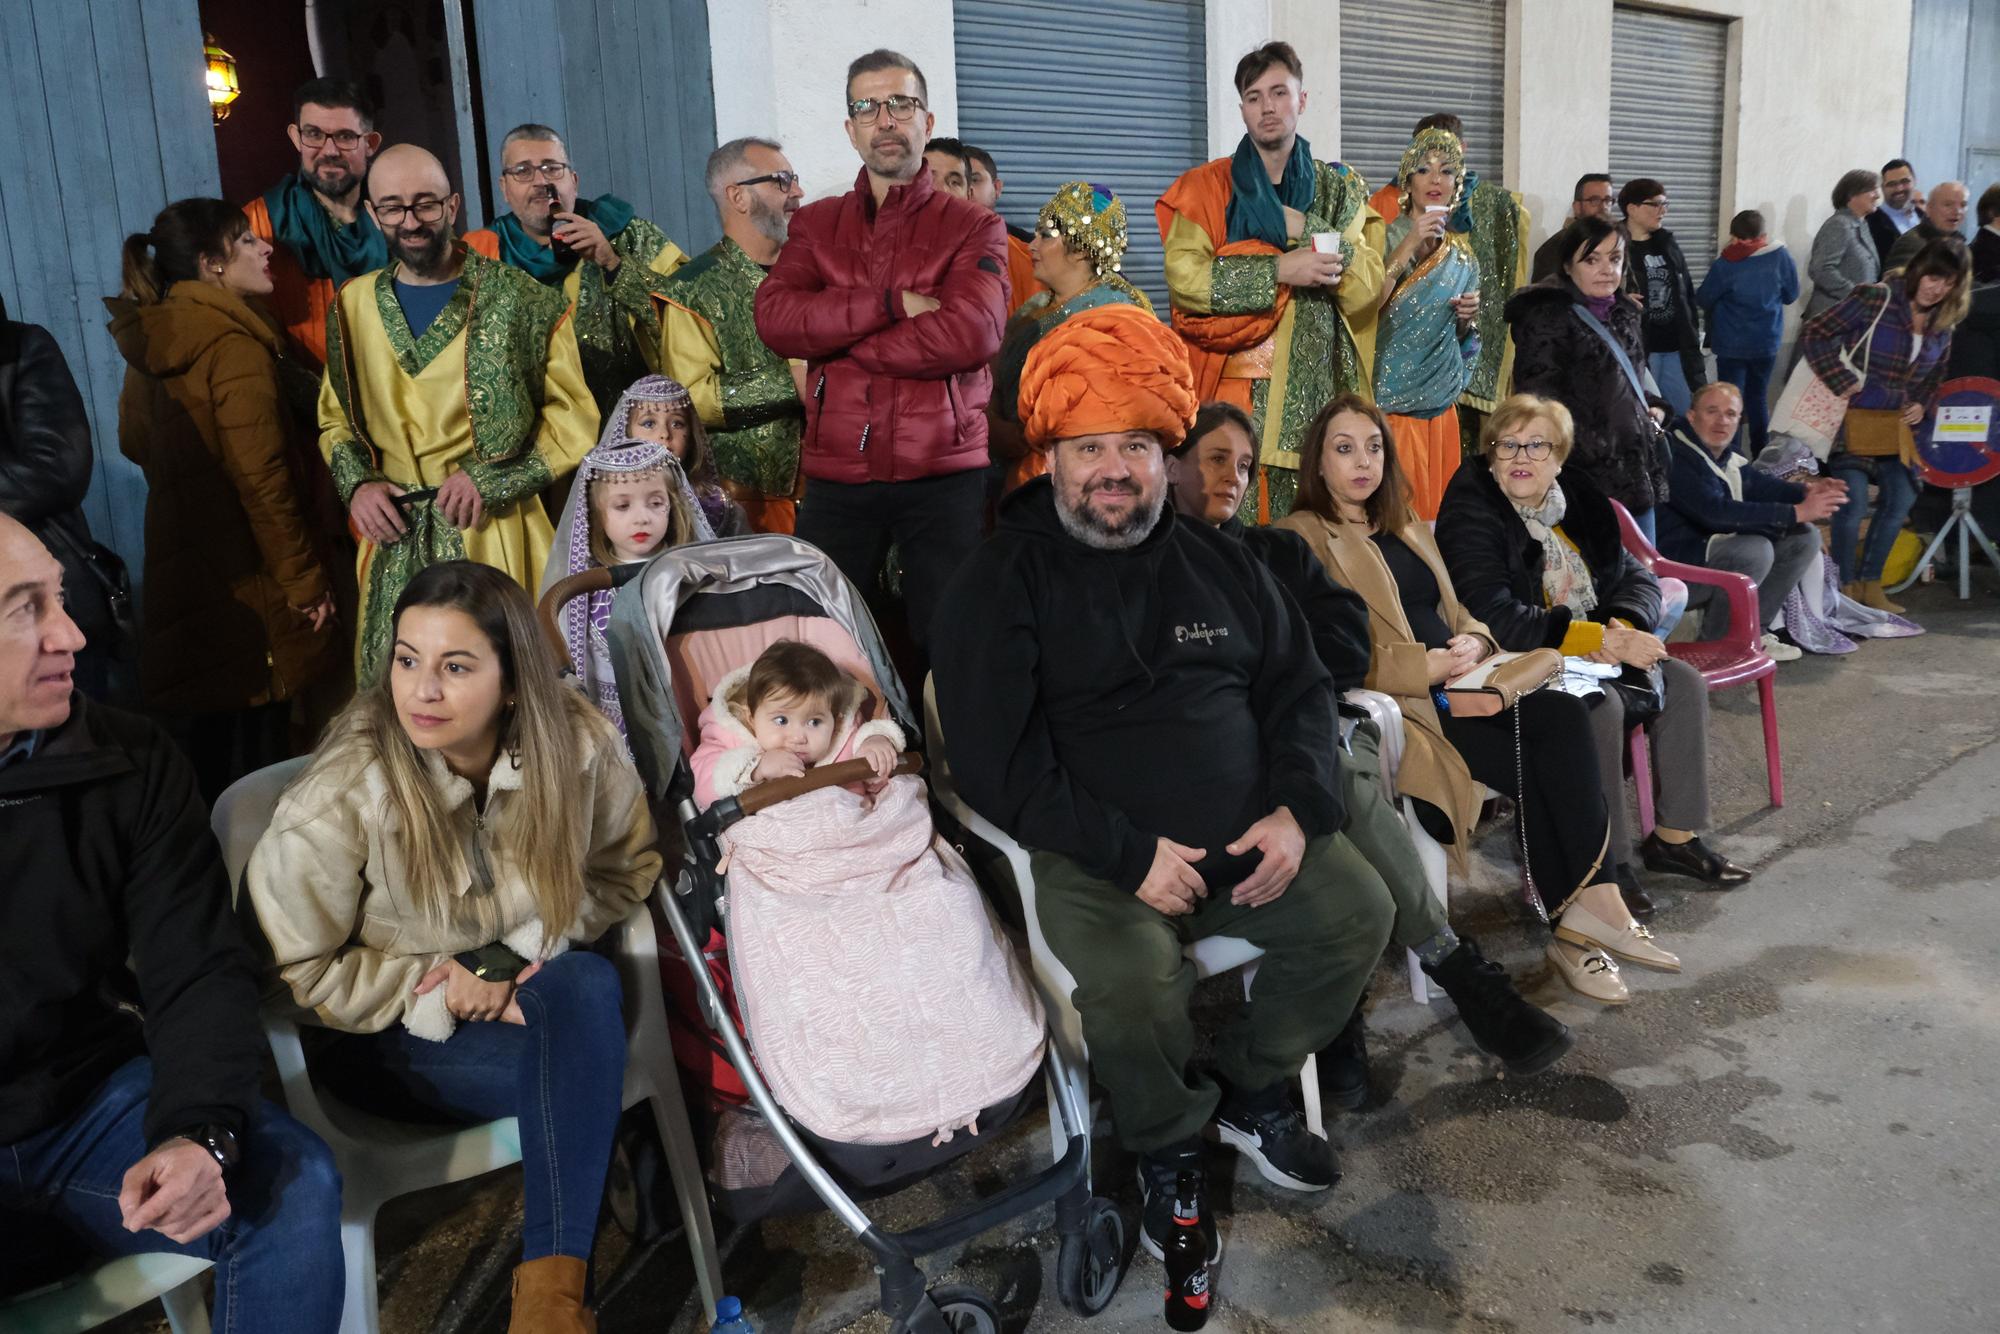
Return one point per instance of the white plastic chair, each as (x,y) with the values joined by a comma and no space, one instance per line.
(1387,715)
(380,1159)
(1215,955)
(92,1297)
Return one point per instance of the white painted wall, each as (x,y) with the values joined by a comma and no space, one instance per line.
(779,70)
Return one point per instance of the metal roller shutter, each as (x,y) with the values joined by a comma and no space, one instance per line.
(1113,92)
(1666,118)
(1402,60)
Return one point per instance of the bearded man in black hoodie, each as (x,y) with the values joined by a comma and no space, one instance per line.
(1134,699)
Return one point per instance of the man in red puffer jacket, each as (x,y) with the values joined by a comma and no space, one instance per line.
(894,294)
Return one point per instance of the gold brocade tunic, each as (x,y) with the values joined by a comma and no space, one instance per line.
(494,389)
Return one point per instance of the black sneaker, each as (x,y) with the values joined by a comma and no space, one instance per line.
(1526,1039)
(1343,1067)
(1159,1172)
(1267,1129)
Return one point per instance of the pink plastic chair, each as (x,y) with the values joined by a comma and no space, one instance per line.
(1736,658)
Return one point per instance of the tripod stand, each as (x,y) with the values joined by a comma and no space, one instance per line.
(1968,529)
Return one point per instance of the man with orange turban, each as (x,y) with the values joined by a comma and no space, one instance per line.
(1132,698)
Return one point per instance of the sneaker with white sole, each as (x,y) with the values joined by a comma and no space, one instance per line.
(1779,651)
(1267,1129)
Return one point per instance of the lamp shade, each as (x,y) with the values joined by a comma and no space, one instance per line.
(223,85)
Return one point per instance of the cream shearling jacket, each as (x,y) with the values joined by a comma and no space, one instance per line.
(325,882)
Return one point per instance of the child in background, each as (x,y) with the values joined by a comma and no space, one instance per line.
(629,500)
(661,412)
(1745,294)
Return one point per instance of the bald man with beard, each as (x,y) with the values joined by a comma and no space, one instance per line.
(454,393)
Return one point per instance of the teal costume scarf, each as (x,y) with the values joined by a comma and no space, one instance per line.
(323,248)
(1256,210)
(539,261)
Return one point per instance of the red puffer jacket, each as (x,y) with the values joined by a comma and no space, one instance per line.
(892,397)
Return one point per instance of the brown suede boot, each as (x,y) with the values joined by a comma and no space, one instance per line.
(548,1297)
(1872,595)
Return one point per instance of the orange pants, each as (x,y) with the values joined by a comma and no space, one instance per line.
(768,515)
(1429,450)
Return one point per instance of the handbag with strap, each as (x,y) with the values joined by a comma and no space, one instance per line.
(1879,433)
(1498,682)
(1811,413)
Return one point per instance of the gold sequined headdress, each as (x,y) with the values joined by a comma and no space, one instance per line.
(1090,221)
(1427,144)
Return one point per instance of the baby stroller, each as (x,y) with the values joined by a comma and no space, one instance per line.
(687,617)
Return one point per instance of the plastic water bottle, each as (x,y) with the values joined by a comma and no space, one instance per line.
(729,1318)
(1187,1261)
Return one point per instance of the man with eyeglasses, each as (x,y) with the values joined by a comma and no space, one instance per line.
(1657,273)
(750,398)
(454,395)
(319,233)
(1593,195)
(894,295)
(582,246)
(983,186)
(1899,209)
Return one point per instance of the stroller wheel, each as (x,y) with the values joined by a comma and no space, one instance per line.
(966,1310)
(1090,1263)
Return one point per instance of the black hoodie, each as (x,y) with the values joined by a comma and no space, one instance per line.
(1094,701)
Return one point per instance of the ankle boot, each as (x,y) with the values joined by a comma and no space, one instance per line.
(548,1297)
(1872,595)
(1343,1066)
(1855,592)
(1527,1040)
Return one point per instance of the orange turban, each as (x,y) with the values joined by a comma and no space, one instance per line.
(1107,369)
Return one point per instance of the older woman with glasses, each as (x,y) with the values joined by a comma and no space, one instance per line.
(1541,562)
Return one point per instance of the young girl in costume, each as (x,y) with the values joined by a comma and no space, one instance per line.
(630,500)
(661,412)
(884,1000)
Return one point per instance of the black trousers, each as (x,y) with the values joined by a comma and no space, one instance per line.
(933,522)
(1558,794)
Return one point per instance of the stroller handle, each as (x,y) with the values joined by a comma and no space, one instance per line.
(593,580)
(769,793)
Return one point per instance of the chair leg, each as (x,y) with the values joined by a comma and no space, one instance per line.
(187,1313)
(1420,984)
(358,1313)
(690,1191)
(1767,701)
(1642,779)
(1309,1096)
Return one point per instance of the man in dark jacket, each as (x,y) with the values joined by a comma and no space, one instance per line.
(1657,272)
(129,1047)
(894,294)
(1726,516)
(1944,214)
(1593,196)
(1133,698)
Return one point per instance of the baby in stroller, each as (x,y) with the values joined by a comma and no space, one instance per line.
(885,1000)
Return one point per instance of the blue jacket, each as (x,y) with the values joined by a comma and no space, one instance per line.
(1746,299)
(1699,505)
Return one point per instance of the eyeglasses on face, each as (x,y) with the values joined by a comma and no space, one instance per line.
(527,171)
(784,180)
(312,136)
(426,210)
(864,110)
(1596,201)
(1660,204)
(1536,450)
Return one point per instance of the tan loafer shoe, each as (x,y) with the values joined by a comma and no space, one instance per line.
(1590,972)
(1634,943)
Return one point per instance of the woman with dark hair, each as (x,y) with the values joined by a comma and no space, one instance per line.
(1898,332)
(1745,293)
(1657,273)
(466,821)
(1843,252)
(239,607)
(1354,513)
(1536,553)
(1578,342)
(1208,472)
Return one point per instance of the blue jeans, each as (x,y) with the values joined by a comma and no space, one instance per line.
(1899,493)
(277,1256)
(1672,378)
(1647,524)
(1752,375)
(562,1073)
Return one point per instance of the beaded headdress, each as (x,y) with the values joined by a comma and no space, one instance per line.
(1090,221)
(1427,144)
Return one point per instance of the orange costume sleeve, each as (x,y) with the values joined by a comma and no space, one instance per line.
(1021,282)
(484,242)
(1202,197)
(299,303)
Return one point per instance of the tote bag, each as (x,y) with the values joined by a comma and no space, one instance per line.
(1811,413)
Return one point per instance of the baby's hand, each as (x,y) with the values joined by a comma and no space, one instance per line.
(880,754)
(777,764)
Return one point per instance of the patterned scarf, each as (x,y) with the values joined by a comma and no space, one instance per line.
(1566,579)
(1256,207)
(539,261)
(323,247)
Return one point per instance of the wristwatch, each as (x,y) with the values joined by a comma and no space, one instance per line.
(220,1141)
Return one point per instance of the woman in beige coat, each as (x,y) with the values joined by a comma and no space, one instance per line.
(1354,514)
(467,821)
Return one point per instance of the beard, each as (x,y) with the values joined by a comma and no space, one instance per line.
(334,180)
(1083,522)
(773,224)
(426,253)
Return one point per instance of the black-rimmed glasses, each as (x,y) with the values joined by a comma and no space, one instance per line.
(312,136)
(864,110)
(426,210)
(527,171)
(1536,450)
(784,180)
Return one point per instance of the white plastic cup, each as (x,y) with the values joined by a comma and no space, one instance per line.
(1326,243)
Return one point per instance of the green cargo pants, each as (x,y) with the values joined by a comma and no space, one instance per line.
(1379,832)
(1321,940)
